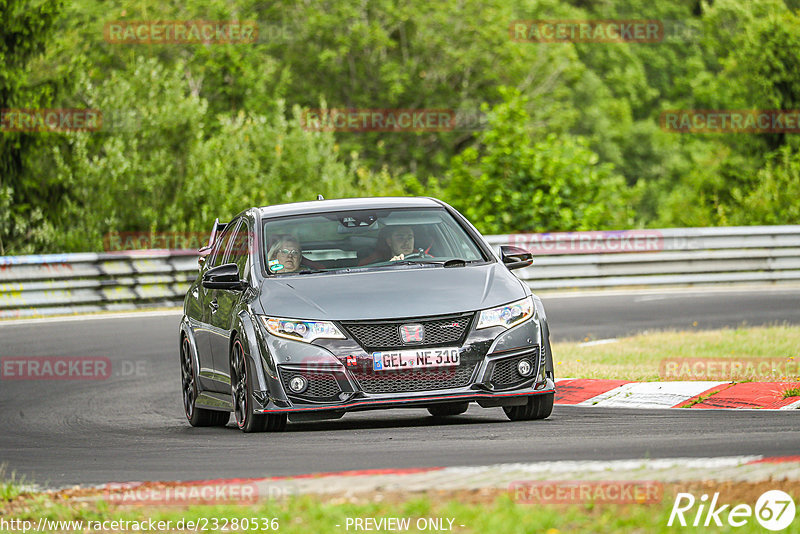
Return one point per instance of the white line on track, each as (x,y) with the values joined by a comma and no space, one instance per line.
(598,342)
(667,292)
(95,316)
(792,406)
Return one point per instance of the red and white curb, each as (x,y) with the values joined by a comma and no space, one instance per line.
(501,476)
(678,394)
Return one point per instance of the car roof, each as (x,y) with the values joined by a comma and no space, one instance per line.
(324,206)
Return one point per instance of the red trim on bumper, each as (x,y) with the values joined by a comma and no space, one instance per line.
(413,399)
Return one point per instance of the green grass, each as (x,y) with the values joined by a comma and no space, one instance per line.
(699,399)
(638,357)
(791,392)
(10,488)
(306,515)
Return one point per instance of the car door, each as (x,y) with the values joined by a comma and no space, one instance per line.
(205,333)
(224,312)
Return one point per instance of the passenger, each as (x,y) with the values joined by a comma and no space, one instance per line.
(286,253)
(394,243)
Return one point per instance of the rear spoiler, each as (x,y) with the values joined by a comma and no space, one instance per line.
(216,231)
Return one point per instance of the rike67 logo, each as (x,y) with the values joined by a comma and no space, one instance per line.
(774,510)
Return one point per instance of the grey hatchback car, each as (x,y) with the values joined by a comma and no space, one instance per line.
(309,310)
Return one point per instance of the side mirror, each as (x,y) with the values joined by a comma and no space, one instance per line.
(515,257)
(224,277)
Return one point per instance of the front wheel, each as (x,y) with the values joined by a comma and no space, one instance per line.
(196,416)
(537,407)
(242,392)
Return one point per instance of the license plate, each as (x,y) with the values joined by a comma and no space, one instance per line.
(415,358)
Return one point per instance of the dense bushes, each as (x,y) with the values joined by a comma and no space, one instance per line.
(570,139)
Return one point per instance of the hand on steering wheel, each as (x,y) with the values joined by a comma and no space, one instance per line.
(418,254)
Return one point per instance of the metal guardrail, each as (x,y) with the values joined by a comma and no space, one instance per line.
(68,283)
(675,256)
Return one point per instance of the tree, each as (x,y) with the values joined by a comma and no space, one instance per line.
(516,182)
(27,30)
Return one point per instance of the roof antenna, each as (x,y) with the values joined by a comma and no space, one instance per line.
(320,197)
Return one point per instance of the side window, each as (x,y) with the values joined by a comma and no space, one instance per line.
(222,244)
(239,251)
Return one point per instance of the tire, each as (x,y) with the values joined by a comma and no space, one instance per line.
(242,393)
(537,407)
(196,416)
(445,410)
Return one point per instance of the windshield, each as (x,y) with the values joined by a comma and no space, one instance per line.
(366,239)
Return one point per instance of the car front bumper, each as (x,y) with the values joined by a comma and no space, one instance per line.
(353,386)
(358,403)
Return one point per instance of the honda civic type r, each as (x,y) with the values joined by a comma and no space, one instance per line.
(313,309)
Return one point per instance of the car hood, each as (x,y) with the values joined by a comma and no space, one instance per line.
(386,294)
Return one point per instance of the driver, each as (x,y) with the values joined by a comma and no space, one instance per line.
(394,243)
(401,242)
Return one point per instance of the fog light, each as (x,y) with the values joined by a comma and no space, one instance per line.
(298,384)
(524,367)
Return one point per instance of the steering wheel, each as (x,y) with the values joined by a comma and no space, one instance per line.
(418,254)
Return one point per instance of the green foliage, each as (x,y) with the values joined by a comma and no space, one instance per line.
(184,167)
(512,182)
(11,487)
(571,141)
(139,154)
(262,160)
(774,200)
(26,28)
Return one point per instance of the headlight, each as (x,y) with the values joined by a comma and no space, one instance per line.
(508,315)
(299,330)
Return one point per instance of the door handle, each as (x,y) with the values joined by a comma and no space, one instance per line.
(213,305)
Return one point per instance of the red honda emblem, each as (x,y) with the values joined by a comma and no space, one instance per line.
(412,333)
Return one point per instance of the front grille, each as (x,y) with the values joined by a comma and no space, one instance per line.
(321,386)
(439,331)
(409,380)
(504,373)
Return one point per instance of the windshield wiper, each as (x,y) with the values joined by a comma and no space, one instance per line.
(410,262)
(454,262)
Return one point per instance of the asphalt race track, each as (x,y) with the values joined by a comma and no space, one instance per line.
(131,426)
(606,315)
